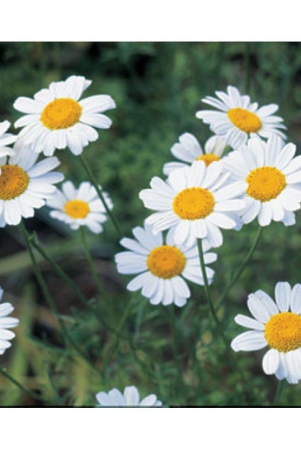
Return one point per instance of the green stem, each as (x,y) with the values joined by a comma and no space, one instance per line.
(20,386)
(58,269)
(241,268)
(61,273)
(118,334)
(218,324)
(247,67)
(278,392)
(100,194)
(175,344)
(91,262)
(67,338)
(206,286)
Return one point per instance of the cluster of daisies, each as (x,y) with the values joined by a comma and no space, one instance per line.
(245,171)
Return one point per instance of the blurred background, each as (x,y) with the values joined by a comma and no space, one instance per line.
(157,87)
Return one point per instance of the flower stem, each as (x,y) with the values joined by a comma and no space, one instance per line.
(206,285)
(91,262)
(175,344)
(67,338)
(278,393)
(62,274)
(241,268)
(218,324)
(20,386)
(99,193)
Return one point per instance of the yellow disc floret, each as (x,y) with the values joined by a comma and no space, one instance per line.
(283,331)
(245,120)
(208,158)
(193,203)
(265,183)
(77,209)
(61,113)
(13,182)
(166,261)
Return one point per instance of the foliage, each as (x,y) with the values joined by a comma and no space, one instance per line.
(157,87)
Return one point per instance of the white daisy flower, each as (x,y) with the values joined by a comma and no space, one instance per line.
(6,139)
(130,397)
(188,149)
(240,119)
(25,184)
(56,119)
(277,325)
(271,176)
(196,201)
(162,268)
(79,207)
(5,323)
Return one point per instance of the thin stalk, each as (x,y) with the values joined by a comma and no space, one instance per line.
(218,324)
(278,393)
(91,262)
(99,193)
(206,286)
(20,386)
(247,67)
(67,338)
(241,268)
(118,334)
(61,273)
(175,344)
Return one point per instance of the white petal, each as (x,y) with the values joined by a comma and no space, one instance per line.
(271,361)
(248,322)
(282,295)
(131,396)
(249,341)
(258,308)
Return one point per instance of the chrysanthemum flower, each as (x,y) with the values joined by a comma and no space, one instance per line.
(79,207)
(6,139)
(277,325)
(56,118)
(197,201)
(25,184)
(240,119)
(130,397)
(162,267)
(271,175)
(188,149)
(5,323)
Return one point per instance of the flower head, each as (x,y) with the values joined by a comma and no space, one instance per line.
(79,207)
(188,150)
(162,267)
(271,175)
(276,324)
(56,118)
(25,184)
(130,397)
(195,201)
(239,119)
(5,323)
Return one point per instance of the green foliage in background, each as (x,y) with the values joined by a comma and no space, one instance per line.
(157,87)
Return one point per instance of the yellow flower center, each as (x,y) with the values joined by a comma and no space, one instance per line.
(283,331)
(193,203)
(208,158)
(265,183)
(13,182)
(244,120)
(77,209)
(61,113)
(166,261)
